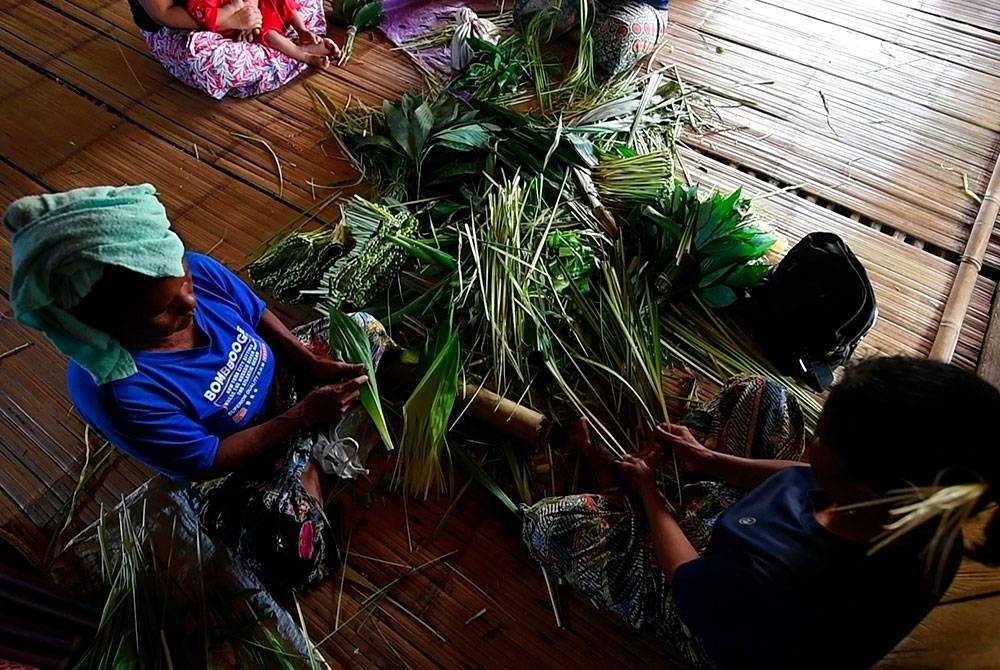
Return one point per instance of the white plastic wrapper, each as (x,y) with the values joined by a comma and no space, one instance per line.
(468,24)
(342,449)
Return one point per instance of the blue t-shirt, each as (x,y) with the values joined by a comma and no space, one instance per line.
(174,411)
(777,590)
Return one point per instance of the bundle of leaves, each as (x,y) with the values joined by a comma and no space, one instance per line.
(709,246)
(497,71)
(355,15)
(397,152)
(297,261)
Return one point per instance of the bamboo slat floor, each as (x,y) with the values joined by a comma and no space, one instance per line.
(871,113)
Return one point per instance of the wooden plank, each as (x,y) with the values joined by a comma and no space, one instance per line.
(968,12)
(898,26)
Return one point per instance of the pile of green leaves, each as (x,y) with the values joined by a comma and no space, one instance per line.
(708,246)
(497,71)
(513,242)
(398,151)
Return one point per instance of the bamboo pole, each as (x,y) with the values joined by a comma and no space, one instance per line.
(968,271)
(522,423)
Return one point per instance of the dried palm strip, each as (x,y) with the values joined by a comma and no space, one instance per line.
(968,271)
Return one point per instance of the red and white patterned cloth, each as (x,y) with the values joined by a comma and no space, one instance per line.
(220,66)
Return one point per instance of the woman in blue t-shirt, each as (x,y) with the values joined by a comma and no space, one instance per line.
(176,362)
(767,562)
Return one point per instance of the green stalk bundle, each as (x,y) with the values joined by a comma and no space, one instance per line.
(374,261)
(297,261)
(709,344)
(348,342)
(425,422)
(506,273)
(355,15)
(634,179)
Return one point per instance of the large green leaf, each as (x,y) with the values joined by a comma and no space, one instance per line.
(463,138)
(399,127)
(715,275)
(718,296)
(747,275)
(348,342)
(421,126)
(369,15)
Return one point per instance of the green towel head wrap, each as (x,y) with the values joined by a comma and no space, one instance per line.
(60,247)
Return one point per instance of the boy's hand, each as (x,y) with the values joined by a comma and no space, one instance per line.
(691,454)
(639,472)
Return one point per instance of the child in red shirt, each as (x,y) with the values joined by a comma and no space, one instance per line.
(275,16)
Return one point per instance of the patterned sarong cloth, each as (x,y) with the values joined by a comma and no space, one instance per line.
(264,515)
(220,66)
(601,545)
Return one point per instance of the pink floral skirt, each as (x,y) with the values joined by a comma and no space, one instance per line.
(220,66)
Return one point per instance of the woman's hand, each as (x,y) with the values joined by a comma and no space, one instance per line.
(639,472)
(325,370)
(329,403)
(691,454)
(241,16)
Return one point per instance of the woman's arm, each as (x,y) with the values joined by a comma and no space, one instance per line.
(169,15)
(324,404)
(237,15)
(744,473)
(297,356)
(671,546)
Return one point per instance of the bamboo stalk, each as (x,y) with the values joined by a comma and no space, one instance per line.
(968,272)
(522,423)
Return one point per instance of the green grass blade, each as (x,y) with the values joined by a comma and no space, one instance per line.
(349,343)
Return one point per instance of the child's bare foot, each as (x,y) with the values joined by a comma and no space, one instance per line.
(307,37)
(601,460)
(318,55)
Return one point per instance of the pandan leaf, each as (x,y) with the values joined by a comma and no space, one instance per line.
(463,138)
(718,296)
(399,126)
(368,16)
(425,422)
(421,125)
(747,275)
(426,252)
(348,342)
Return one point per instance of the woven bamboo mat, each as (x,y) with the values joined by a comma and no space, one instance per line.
(880,128)
(908,85)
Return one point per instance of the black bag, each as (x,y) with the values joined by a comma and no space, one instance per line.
(812,310)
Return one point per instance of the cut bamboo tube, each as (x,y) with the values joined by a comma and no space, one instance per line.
(968,272)
(522,423)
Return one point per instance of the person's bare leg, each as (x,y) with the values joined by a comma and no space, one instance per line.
(600,459)
(317,55)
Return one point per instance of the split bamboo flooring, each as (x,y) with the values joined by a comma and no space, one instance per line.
(859,117)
